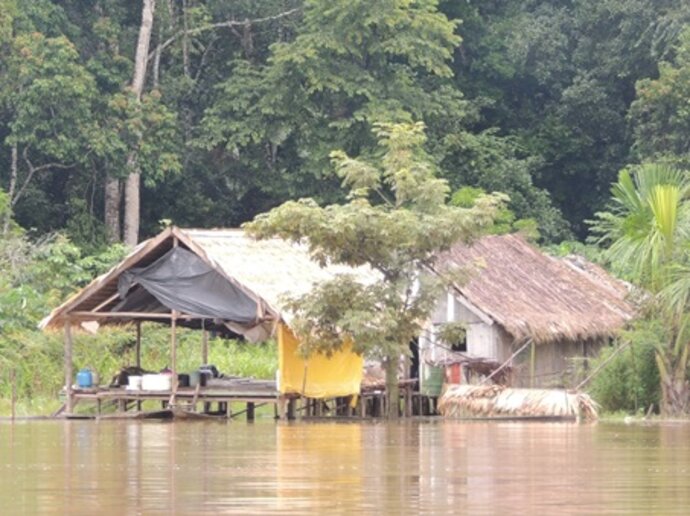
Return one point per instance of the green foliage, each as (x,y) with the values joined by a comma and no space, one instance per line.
(630,381)
(395,222)
(660,114)
(46,95)
(646,226)
(36,358)
(647,237)
(350,66)
(504,222)
(36,276)
(452,333)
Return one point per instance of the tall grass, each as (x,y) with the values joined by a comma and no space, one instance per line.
(37,360)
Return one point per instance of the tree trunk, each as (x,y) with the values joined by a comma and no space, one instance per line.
(14,170)
(675,396)
(112,209)
(392,387)
(131,224)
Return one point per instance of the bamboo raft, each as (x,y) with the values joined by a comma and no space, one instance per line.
(500,402)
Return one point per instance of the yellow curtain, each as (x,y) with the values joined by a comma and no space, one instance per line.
(317,376)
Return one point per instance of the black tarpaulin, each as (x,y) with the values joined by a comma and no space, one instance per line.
(182,281)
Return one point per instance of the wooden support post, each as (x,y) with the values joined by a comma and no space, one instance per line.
(173,356)
(204,343)
(173,343)
(408,400)
(291,408)
(532,364)
(69,373)
(138,345)
(281,407)
(250,411)
(362,402)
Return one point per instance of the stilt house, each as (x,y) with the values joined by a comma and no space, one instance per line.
(220,280)
(514,297)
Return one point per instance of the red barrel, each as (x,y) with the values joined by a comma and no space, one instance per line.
(454,373)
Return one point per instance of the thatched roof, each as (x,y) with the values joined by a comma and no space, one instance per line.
(533,295)
(266,270)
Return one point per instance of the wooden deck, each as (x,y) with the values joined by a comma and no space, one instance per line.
(218,397)
(221,392)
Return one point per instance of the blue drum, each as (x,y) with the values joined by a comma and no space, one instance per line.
(84,379)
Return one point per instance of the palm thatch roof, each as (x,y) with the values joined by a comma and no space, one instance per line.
(471,401)
(265,270)
(533,295)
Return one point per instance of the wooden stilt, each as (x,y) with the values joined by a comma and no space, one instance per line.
(69,373)
(173,355)
(138,345)
(204,343)
(281,407)
(250,411)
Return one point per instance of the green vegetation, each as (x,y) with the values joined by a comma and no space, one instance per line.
(212,112)
(629,381)
(39,373)
(396,222)
(36,277)
(646,234)
(236,105)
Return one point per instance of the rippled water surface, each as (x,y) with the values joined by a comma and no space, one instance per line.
(430,466)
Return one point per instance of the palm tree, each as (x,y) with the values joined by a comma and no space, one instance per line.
(647,231)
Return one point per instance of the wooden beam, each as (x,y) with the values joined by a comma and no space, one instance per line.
(69,373)
(107,301)
(129,315)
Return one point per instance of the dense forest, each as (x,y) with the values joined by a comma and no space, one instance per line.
(214,111)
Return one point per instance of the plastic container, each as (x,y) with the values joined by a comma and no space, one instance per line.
(431,380)
(156,382)
(454,374)
(134,383)
(84,379)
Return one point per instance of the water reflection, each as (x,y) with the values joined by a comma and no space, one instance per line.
(408,467)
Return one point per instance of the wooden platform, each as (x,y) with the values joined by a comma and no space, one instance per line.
(216,399)
(221,392)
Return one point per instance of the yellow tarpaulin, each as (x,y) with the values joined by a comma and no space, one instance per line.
(317,376)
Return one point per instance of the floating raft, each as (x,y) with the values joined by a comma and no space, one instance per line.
(498,401)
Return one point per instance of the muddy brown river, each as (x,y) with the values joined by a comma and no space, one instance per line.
(412,467)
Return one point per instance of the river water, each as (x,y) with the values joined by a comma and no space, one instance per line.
(411,467)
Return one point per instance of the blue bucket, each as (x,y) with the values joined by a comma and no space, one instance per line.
(84,379)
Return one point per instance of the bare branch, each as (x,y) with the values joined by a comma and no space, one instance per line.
(202,62)
(219,25)
(32,172)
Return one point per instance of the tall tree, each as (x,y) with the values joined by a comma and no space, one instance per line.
(350,65)
(133,182)
(647,233)
(660,114)
(46,96)
(395,222)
